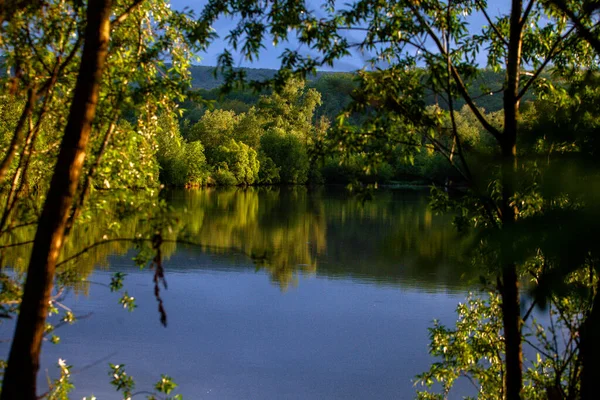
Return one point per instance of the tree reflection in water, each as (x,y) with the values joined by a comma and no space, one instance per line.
(286,231)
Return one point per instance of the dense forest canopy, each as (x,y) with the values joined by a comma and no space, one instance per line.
(102,96)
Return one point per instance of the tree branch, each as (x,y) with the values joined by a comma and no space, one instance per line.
(492,25)
(457,141)
(460,84)
(6,246)
(527,12)
(578,23)
(134,240)
(549,58)
(121,18)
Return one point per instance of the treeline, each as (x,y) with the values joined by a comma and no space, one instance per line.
(288,137)
(247,138)
(269,143)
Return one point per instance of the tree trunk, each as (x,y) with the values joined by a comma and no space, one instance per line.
(23,362)
(589,350)
(511,312)
(511,320)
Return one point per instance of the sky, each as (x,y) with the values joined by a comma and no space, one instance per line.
(269,57)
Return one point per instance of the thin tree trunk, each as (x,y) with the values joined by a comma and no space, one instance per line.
(23,363)
(511,312)
(18,134)
(589,350)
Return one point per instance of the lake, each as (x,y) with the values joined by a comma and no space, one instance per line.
(294,293)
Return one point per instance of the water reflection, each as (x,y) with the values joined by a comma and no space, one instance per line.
(286,231)
(293,230)
(106,227)
(283,230)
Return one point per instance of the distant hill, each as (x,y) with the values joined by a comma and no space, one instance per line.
(336,90)
(203,77)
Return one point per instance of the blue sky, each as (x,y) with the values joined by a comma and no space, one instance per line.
(269,57)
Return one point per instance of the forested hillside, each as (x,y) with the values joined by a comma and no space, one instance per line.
(203,77)
(335,87)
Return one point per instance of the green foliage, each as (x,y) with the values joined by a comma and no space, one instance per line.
(213,129)
(124,383)
(10,109)
(291,108)
(239,160)
(165,384)
(353,169)
(130,162)
(565,120)
(116,281)
(250,128)
(120,380)
(61,387)
(128,302)
(182,163)
(288,153)
(224,177)
(195,163)
(268,174)
(236,144)
(474,350)
(171,157)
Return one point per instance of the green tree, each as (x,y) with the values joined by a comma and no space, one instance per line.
(95,59)
(288,153)
(250,128)
(213,129)
(239,160)
(171,152)
(181,163)
(290,130)
(291,109)
(197,169)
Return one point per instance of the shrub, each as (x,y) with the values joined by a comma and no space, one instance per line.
(224,177)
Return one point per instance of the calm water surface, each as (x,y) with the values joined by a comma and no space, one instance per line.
(296,294)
